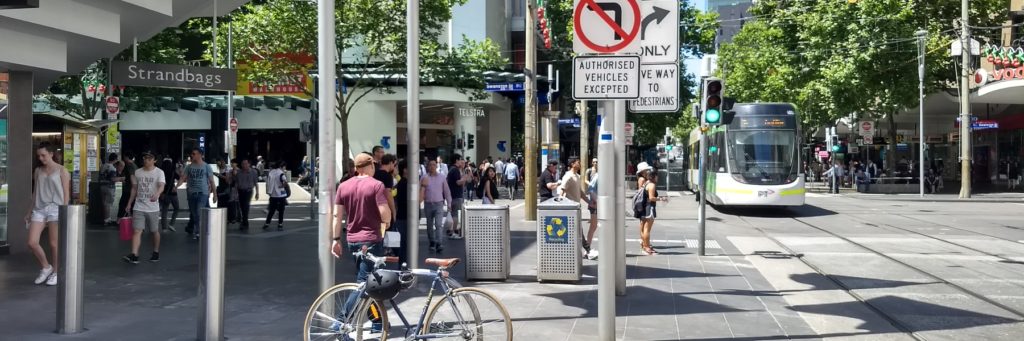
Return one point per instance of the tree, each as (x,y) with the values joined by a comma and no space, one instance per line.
(276,37)
(853,59)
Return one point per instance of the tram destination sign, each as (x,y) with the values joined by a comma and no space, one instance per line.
(767,122)
(606,77)
(173,76)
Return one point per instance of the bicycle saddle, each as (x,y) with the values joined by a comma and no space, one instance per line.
(448,262)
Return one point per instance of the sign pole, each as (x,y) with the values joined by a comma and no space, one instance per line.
(413,117)
(530,124)
(606,265)
(619,124)
(325,135)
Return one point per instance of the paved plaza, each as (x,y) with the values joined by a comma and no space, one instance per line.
(850,266)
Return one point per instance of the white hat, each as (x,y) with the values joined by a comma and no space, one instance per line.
(643,166)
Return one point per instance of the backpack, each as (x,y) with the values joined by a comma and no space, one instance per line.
(640,201)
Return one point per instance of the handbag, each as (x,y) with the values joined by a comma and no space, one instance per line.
(125,228)
(392,239)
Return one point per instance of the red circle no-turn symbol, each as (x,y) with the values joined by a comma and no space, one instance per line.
(617,27)
(113,105)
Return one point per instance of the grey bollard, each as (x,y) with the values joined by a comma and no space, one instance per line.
(70,306)
(211,274)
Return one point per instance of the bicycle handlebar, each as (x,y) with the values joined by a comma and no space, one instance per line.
(377,261)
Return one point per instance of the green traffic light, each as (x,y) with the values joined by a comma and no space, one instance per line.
(712,116)
(835,148)
(712,149)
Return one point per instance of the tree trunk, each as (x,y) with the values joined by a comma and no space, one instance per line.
(890,155)
(345,159)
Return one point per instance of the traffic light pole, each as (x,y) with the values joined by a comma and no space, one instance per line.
(702,187)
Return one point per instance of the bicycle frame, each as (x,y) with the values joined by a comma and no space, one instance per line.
(437,282)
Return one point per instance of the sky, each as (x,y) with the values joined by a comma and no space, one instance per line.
(693,65)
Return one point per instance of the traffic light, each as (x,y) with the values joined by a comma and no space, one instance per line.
(470,141)
(835,143)
(712,101)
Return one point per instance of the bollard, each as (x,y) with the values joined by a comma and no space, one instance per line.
(70,307)
(211,274)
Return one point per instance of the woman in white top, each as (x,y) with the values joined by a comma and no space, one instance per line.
(52,188)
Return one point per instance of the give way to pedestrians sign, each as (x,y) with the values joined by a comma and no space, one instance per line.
(606,26)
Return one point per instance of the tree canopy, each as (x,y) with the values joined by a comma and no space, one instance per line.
(845,59)
(276,38)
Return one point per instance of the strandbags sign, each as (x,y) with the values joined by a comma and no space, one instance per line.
(173,76)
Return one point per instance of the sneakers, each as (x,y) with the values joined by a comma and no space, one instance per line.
(592,255)
(52,280)
(131,258)
(266,227)
(280,227)
(155,257)
(44,274)
(171,228)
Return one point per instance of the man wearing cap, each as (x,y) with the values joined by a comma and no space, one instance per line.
(144,201)
(365,201)
(548,181)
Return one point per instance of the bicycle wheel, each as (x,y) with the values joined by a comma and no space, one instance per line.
(468,314)
(327,318)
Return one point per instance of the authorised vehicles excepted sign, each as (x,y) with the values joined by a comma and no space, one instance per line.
(659,89)
(606,77)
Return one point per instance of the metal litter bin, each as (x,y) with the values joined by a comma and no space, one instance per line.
(559,245)
(487,241)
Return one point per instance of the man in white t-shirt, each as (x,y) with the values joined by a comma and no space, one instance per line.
(511,179)
(147,185)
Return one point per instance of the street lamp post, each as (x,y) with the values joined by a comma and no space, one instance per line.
(921,34)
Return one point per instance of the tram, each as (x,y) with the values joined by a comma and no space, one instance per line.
(754,160)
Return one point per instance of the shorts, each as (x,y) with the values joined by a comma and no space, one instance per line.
(108,195)
(143,220)
(47,214)
(651,213)
(456,207)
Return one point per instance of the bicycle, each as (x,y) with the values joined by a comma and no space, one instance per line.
(362,314)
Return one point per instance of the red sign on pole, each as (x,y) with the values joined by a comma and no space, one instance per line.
(233,124)
(113,107)
(597,32)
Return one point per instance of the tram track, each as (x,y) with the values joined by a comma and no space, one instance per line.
(899,325)
(958,229)
(1017,312)
(896,323)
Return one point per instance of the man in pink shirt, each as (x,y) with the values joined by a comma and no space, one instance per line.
(436,197)
(365,200)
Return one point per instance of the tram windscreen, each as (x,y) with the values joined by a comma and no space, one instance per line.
(764,157)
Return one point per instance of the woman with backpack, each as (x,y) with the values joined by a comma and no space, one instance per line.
(645,204)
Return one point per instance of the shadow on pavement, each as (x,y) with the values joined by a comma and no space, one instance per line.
(651,302)
(851,282)
(916,315)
